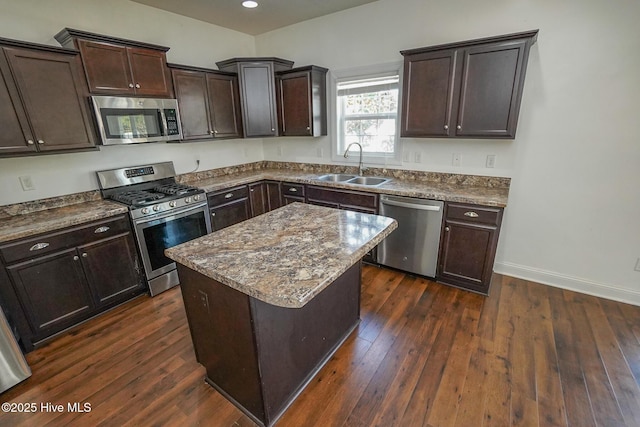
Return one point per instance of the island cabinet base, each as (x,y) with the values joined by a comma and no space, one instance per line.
(261,356)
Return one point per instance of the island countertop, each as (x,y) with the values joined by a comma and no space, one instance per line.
(287,256)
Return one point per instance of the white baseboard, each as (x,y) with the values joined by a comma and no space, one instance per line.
(568,282)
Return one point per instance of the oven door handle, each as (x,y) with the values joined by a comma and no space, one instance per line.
(174,214)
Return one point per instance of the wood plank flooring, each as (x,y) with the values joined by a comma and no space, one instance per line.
(424,354)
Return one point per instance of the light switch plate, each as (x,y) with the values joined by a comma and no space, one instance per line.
(27,183)
(491,160)
(455,160)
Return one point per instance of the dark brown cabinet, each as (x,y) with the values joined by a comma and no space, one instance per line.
(229,207)
(302,103)
(62,278)
(43,104)
(470,89)
(343,199)
(257,92)
(209,102)
(258,198)
(274,195)
(120,67)
(292,192)
(468,245)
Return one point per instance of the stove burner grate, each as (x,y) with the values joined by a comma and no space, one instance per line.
(137,197)
(176,189)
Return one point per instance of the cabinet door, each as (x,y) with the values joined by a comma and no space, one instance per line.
(491,90)
(428,93)
(191,92)
(15,136)
(229,214)
(258,198)
(53,292)
(111,269)
(258,106)
(274,197)
(149,70)
(49,85)
(224,100)
(107,68)
(294,102)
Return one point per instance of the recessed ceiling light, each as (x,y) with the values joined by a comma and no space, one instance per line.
(250,4)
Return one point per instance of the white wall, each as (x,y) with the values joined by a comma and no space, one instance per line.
(572,218)
(192,42)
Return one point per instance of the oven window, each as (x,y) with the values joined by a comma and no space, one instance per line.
(126,123)
(171,233)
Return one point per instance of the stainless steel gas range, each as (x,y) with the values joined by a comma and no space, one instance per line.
(163,212)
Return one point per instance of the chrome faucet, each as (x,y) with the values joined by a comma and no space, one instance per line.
(346,155)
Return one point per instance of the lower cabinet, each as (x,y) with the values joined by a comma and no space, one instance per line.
(468,246)
(292,192)
(343,199)
(62,278)
(229,207)
(258,198)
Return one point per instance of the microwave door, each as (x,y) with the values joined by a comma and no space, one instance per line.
(127,126)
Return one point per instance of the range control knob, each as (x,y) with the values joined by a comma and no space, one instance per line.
(156,208)
(145,211)
(196,197)
(172,204)
(187,200)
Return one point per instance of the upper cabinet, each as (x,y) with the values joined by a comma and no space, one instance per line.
(209,102)
(302,101)
(257,92)
(469,89)
(116,66)
(43,104)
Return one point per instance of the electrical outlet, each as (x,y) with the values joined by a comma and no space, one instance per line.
(491,160)
(406,155)
(280,150)
(455,160)
(27,183)
(417,157)
(320,152)
(637,265)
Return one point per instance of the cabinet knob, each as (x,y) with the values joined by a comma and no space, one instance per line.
(308,127)
(213,214)
(446,127)
(446,229)
(273,130)
(131,85)
(137,86)
(40,141)
(215,131)
(30,142)
(75,258)
(84,255)
(459,127)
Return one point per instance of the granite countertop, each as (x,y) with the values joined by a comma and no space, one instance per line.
(287,256)
(30,224)
(446,191)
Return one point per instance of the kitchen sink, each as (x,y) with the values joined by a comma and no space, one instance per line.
(336,177)
(354,179)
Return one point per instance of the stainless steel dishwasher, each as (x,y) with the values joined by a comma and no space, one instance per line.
(413,246)
(13,366)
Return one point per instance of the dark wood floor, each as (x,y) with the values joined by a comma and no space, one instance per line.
(423,355)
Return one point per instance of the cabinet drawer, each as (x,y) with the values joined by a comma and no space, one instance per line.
(47,243)
(290,189)
(347,199)
(228,195)
(474,213)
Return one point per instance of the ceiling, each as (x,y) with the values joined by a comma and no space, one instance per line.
(269,15)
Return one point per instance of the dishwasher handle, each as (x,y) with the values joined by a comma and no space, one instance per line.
(410,205)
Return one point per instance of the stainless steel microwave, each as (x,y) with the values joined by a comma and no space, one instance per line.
(125,120)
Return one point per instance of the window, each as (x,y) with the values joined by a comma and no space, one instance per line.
(366,112)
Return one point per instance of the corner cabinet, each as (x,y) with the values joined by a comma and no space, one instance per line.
(302,101)
(256,78)
(43,104)
(116,66)
(470,89)
(59,279)
(209,102)
(468,245)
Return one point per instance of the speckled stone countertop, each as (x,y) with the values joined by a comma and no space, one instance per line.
(32,223)
(287,256)
(424,189)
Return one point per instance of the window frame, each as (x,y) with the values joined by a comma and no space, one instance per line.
(365,72)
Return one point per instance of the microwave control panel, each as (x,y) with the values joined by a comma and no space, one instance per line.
(172,121)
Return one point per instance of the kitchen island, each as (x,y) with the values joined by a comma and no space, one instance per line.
(269,300)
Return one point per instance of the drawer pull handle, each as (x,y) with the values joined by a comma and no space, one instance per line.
(228,195)
(471,214)
(293,190)
(38,246)
(101,230)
